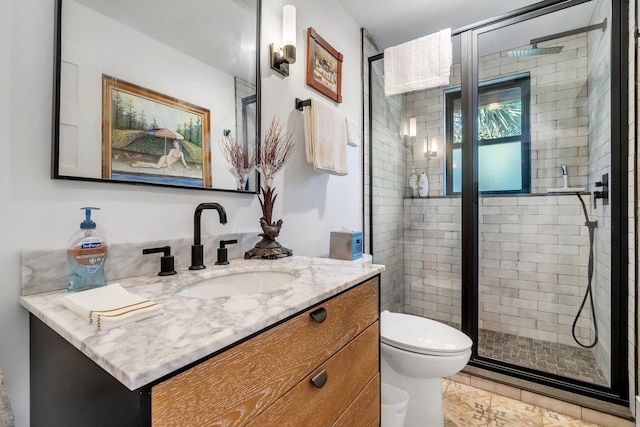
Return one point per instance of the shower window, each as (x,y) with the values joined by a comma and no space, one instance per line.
(503,133)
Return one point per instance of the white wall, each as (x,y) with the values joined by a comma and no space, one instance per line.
(313,204)
(38,213)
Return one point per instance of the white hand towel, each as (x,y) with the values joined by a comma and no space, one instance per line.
(418,64)
(326,138)
(308,126)
(353,133)
(110,306)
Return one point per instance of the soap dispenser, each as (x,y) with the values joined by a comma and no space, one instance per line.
(86,254)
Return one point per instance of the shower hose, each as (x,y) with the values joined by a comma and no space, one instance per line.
(591,225)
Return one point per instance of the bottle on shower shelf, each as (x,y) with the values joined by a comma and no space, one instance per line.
(413,183)
(423,185)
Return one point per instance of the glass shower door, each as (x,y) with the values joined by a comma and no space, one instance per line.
(543,143)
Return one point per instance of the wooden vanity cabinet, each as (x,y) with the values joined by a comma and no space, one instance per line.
(304,372)
(317,368)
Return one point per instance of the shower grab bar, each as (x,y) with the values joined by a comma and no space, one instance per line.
(300,104)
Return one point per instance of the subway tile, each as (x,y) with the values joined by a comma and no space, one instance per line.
(519,303)
(559,269)
(538,296)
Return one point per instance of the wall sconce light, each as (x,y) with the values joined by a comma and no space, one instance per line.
(412,127)
(282,57)
(430,150)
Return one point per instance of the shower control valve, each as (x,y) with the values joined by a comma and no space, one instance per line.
(604,192)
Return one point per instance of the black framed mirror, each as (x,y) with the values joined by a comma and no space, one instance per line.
(158,93)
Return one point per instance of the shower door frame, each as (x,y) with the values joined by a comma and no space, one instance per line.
(618,393)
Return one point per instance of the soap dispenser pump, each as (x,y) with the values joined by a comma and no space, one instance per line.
(86,254)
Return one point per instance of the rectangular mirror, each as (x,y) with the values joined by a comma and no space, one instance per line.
(158,92)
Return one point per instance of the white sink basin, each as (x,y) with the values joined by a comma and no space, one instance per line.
(252,282)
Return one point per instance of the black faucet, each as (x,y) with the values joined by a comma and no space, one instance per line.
(197,250)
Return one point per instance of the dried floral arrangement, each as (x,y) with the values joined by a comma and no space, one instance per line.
(238,158)
(275,150)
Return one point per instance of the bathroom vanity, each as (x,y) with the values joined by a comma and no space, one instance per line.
(303,355)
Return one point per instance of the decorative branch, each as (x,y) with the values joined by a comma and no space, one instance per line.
(275,150)
(235,153)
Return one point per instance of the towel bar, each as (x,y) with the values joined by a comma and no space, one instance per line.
(300,104)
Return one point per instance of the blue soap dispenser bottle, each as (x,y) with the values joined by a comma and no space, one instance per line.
(86,254)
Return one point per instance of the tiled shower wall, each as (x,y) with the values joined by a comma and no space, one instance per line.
(559,114)
(432,280)
(532,270)
(389,160)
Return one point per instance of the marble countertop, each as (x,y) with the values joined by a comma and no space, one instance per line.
(192,328)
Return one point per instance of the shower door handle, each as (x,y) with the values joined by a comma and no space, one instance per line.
(475,193)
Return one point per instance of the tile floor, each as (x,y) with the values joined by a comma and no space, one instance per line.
(466,406)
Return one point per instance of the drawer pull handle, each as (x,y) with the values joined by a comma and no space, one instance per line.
(320,379)
(319,315)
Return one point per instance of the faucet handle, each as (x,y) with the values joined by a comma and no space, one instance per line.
(224,243)
(222,251)
(167,264)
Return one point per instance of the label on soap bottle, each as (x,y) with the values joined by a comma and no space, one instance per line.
(90,252)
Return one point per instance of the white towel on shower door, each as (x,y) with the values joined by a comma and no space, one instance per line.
(418,64)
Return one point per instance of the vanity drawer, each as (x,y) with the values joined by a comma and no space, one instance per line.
(236,385)
(365,410)
(320,405)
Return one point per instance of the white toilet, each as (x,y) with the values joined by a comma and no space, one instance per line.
(416,353)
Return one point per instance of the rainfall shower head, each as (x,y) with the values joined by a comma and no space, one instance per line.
(535,50)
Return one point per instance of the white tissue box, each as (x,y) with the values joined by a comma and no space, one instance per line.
(345,245)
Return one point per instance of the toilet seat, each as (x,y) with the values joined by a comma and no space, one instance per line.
(421,335)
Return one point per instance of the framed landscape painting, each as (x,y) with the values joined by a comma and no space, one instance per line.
(153,138)
(324,66)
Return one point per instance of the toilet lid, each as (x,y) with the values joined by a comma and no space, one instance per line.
(421,335)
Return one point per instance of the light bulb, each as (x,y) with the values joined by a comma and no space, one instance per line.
(289,25)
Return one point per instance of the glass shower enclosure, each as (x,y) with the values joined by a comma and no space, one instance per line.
(521,239)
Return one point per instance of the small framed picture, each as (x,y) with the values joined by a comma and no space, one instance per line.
(324,66)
